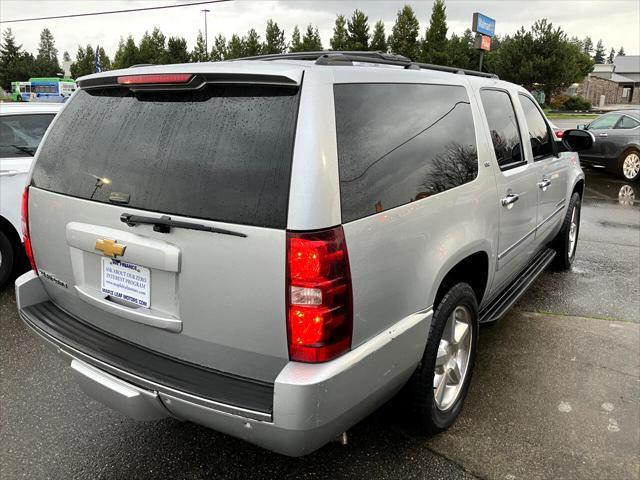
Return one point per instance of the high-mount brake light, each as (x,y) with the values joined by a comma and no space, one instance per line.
(26,239)
(155,79)
(319,298)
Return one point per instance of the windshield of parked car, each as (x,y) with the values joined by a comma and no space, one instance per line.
(20,135)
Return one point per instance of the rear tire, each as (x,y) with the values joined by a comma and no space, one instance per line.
(566,242)
(629,165)
(7,258)
(438,387)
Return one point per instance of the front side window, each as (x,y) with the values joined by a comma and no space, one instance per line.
(539,134)
(626,123)
(20,135)
(503,127)
(605,122)
(398,143)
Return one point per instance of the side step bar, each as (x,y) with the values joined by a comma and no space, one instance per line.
(498,307)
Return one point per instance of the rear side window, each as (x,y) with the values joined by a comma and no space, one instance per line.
(219,153)
(627,122)
(20,135)
(539,134)
(398,143)
(503,128)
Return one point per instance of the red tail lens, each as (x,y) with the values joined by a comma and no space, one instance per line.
(26,239)
(319,301)
(154,79)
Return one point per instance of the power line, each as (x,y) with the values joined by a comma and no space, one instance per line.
(112,11)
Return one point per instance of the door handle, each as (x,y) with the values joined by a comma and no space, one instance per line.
(509,200)
(544,184)
(603,134)
(8,173)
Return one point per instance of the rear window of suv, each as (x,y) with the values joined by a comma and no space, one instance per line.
(219,153)
(398,143)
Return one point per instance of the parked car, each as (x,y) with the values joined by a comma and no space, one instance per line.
(21,128)
(617,145)
(274,257)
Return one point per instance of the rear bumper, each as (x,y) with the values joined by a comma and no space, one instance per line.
(311,404)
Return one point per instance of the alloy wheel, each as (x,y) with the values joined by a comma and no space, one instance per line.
(631,166)
(452,360)
(573,232)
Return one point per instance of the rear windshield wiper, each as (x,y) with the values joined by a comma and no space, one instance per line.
(164,224)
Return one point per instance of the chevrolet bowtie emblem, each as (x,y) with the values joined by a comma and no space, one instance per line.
(110,248)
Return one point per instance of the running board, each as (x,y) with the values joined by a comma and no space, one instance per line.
(498,307)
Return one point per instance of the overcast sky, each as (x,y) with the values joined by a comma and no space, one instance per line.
(616,22)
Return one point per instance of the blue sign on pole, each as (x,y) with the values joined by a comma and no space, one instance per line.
(483,24)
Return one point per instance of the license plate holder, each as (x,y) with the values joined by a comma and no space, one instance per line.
(126,281)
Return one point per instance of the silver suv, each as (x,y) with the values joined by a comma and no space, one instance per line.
(274,247)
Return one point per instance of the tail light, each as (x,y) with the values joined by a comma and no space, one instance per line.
(26,239)
(559,133)
(319,299)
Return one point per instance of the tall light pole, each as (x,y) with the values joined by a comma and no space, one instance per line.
(206,35)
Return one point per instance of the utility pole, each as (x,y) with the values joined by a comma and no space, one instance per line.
(206,35)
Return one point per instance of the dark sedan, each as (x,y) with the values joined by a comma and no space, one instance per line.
(617,145)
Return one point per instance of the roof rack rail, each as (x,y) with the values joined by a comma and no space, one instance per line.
(381,58)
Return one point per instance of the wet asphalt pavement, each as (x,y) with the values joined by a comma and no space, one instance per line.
(555,393)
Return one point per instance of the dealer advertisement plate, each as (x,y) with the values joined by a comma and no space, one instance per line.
(126,281)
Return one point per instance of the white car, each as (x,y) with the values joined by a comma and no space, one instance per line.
(22,126)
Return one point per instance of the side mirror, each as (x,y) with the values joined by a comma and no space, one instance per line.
(577,140)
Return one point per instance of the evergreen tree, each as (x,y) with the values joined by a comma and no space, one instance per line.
(358,28)
(404,36)
(199,53)
(9,50)
(219,49)
(541,56)
(15,65)
(252,45)
(127,54)
(152,48)
(177,50)
(47,59)
(612,56)
(274,39)
(460,51)
(311,41)
(378,39)
(235,49)
(587,45)
(621,52)
(340,39)
(85,63)
(599,54)
(435,42)
(296,43)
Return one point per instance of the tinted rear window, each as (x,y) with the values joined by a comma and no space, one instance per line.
(220,153)
(398,143)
